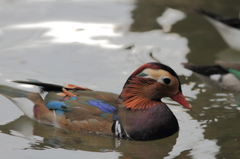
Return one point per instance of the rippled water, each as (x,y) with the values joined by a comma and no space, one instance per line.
(97,44)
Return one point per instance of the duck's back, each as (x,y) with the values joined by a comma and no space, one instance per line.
(88,111)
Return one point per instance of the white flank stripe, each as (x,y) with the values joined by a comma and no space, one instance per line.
(116,128)
(119,129)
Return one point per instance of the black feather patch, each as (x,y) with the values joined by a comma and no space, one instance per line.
(206,70)
(118,130)
(230,21)
(44,86)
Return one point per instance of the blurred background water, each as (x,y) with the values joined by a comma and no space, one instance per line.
(97,44)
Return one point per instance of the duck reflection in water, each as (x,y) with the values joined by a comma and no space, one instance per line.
(59,138)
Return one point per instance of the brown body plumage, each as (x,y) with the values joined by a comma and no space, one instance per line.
(137,113)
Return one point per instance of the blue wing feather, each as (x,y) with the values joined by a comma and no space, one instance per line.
(62,106)
(103,106)
(59,107)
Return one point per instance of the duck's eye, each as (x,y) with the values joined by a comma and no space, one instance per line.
(165,80)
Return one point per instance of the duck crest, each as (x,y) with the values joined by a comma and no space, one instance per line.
(138,94)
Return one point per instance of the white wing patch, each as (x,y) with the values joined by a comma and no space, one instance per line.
(25,105)
(216,77)
(41,92)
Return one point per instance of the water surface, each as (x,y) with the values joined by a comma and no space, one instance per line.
(97,44)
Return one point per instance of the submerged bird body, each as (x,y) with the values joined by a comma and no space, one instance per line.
(228,27)
(137,113)
(222,76)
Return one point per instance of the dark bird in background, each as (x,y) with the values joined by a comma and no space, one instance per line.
(228,27)
(221,76)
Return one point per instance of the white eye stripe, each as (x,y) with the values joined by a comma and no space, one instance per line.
(163,79)
(161,76)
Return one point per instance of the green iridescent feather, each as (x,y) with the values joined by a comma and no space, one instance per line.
(235,73)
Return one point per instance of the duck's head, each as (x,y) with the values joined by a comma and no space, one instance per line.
(149,83)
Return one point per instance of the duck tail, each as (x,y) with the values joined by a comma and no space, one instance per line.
(26,101)
(207,13)
(11,92)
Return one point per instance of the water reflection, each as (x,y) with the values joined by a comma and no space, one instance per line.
(168,48)
(169,17)
(228,55)
(70,32)
(49,45)
(42,137)
(218,112)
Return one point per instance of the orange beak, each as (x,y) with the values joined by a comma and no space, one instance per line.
(178,97)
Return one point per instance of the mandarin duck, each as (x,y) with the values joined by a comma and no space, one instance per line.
(221,76)
(228,27)
(137,113)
